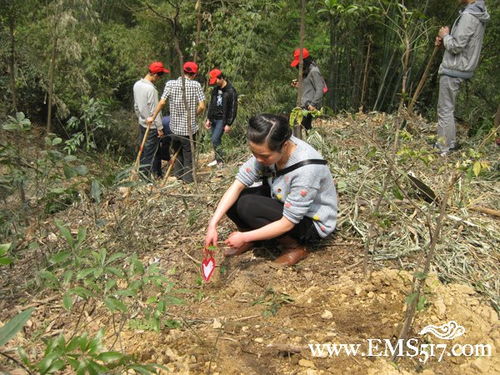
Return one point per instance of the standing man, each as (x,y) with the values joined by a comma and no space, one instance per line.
(221,112)
(461,56)
(145,103)
(183,168)
(313,84)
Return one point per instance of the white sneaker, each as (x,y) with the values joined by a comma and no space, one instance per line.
(212,163)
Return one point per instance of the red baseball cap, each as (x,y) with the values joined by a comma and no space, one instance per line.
(296,56)
(157,67)
(214,74)
(190,67)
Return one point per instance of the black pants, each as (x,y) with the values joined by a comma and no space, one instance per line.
(255,209)
(307,122)
(163,153)
(183,167)
(149,152)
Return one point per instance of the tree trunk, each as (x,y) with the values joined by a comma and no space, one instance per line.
(406,65)
(12,64)
(297,129)
(198,30)
(333,92)
(365,75)
(51,85)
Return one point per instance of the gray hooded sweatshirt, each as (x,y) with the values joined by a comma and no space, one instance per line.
(313,85)
(463,44)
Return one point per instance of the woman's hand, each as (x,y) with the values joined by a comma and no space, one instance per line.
(236,240)
(211,236)
(228,199)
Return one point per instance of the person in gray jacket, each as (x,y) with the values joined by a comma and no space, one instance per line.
(461,56)
(145,101)
(313,85)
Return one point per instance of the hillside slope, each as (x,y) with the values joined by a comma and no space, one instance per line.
(256,318)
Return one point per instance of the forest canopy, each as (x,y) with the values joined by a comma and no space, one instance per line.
(86,55)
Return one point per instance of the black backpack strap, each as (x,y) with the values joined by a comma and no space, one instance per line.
(300,164)
(293,167)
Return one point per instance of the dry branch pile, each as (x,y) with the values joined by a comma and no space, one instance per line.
(358,147)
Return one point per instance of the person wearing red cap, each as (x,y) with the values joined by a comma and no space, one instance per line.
(145,102)
(313,84)
(221,111)
(183,167)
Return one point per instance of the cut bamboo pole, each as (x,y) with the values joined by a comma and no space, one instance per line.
(486,210)
(421,84)
(135,172)
(172,162)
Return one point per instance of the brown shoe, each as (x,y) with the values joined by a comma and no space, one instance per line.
(292,256)
(231,251)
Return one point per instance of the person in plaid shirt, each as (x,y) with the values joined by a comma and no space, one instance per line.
(183,168)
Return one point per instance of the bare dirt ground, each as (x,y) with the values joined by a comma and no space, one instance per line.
(253,317)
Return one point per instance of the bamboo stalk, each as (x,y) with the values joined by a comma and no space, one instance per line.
(297,128)
(382,85)
(197,9)
(486,210)
(12,63)
(51,84)
(435,236)
(135,172)
(423,80)
(172,162)
(365,74)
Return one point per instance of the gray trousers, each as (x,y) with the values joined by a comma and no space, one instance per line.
(446,130)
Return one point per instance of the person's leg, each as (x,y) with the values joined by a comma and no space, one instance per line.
(157,165)
(166,141)
(149,151)
(255,209)
(233,215)
(446,129)
(188,159)
(216,139)
(307,122)
(233,212)
(257,212)
(305,231)
(179,162)
(164,149)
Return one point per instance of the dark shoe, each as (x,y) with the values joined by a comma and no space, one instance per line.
(440,152)
(292,256)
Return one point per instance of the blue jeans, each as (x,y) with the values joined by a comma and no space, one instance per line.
(216,139)
(149,152)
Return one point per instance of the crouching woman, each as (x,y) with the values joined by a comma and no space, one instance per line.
(296,203)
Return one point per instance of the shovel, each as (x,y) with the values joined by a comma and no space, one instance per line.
(135,172)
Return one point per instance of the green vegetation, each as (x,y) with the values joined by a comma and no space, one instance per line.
(76,51)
